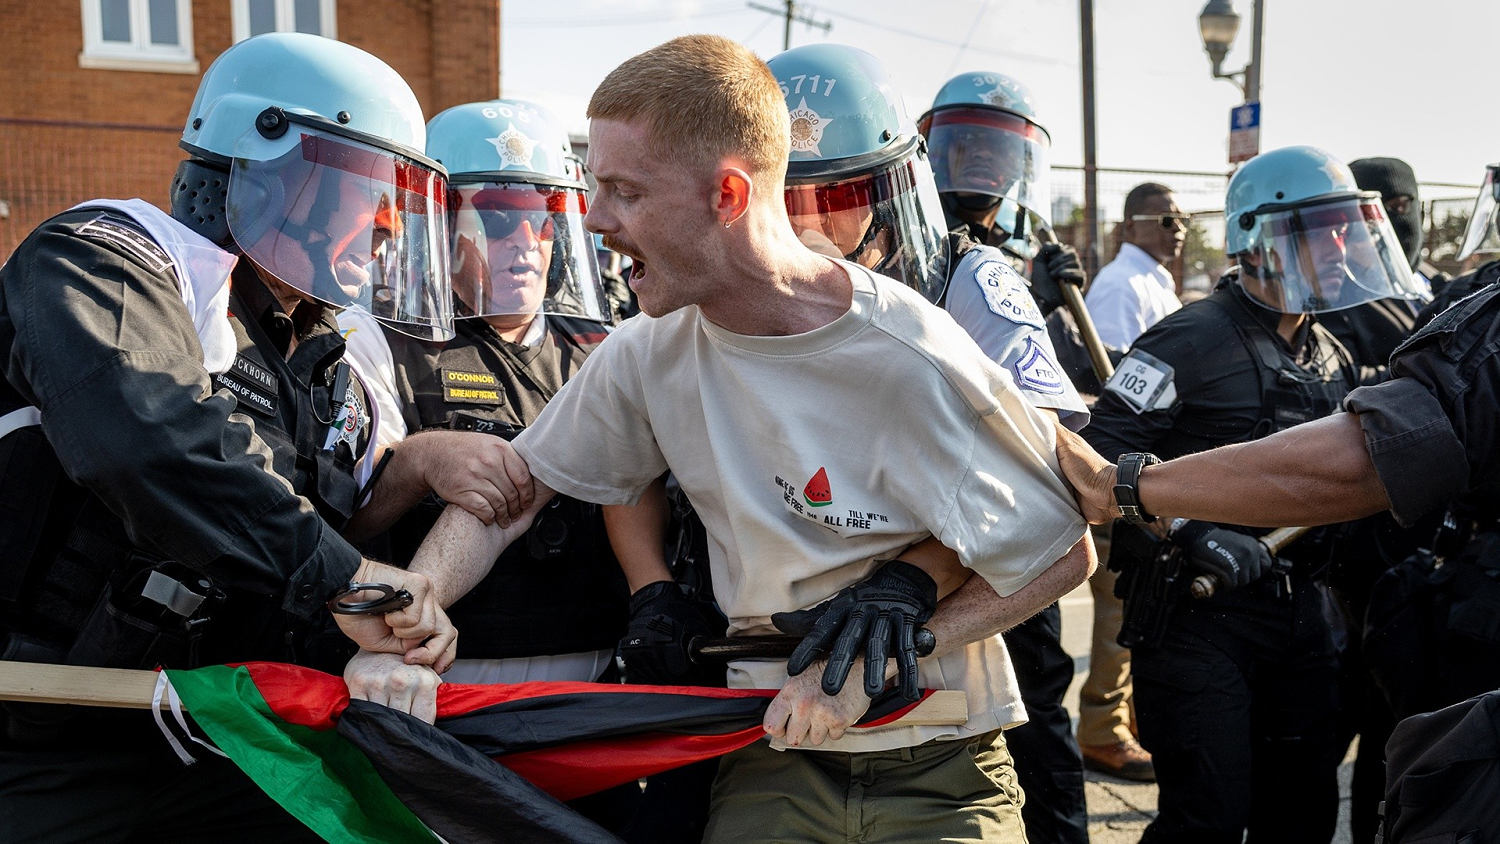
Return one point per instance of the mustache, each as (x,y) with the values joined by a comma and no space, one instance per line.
(614,244)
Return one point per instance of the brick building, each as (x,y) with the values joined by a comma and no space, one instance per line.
(96,91)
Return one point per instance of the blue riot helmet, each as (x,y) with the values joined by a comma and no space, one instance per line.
(306,157)
(1483,234)
(858,185)
(1308,240)
(516,204)
(990,155)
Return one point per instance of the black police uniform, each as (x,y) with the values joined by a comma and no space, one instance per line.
(559,589)
(147,477)
(1439,414)
(1044,750)
(1236,704)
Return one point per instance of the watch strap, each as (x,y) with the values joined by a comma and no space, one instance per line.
(1127,487)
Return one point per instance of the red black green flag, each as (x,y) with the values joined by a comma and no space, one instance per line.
(496,765)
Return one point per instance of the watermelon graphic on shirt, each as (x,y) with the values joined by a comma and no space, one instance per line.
(816,491)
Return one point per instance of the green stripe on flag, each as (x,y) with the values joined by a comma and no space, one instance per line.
(316,775)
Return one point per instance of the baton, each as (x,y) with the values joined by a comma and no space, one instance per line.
(703,649)
(1205,585)
(1073,299)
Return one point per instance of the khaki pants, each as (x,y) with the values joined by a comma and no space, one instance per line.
(939,791)
(1104,700)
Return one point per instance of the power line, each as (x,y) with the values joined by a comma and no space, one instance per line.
(973,27)
(1009,54)
(791,14)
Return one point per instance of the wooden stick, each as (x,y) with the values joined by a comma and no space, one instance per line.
(33,682)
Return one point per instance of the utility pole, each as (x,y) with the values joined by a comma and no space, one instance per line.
(791,14)
(1090,156)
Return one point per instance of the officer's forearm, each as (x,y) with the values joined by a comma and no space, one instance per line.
(975,611)
(398,489)
(637,533)
(460,550)
(1313,474)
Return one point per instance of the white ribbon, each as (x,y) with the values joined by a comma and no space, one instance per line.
(164,688)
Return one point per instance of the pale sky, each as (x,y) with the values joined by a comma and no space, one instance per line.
(1415,80)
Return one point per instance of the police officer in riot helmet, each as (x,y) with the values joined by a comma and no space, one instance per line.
(1243,683)
(858,182)
(203,528)
(991,159)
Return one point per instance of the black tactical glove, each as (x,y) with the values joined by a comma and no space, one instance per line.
(881,614)
(663,621)
(1236,558)
(1055,265)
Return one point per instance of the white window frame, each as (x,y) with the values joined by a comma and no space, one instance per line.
(140,54)
(285,18)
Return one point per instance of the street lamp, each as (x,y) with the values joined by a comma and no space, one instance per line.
(1218,23)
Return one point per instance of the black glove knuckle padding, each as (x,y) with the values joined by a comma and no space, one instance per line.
(880,614)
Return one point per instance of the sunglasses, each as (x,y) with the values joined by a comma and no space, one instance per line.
(499,224)
(1166,221)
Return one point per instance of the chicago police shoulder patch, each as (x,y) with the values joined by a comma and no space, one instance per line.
(1008,295)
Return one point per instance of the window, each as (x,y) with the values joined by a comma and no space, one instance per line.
(255,17)
(152,35)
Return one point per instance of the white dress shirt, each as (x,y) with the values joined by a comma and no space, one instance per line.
(1129,295)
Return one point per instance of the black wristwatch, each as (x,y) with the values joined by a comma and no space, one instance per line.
(1127,487)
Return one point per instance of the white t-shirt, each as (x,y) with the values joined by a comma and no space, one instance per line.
(1129,295)
(811,458)
(993,303)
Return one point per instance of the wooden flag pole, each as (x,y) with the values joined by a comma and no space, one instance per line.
(123,688)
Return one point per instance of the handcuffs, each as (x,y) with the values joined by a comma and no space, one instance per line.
(391,599)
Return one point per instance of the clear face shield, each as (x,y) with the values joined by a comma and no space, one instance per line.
(1326,256)
(348,222)
(889,220)
(520,249)
(1483,234)
(990,157)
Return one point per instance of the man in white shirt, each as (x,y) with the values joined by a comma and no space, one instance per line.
(822,419)
(1135,290)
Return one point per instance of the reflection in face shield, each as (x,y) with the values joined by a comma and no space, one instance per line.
(512,257)
(348,223)
(880,220)
(1326,257)
(985,151)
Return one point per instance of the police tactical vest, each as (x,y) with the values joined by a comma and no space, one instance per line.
(1291,392)
(558,589)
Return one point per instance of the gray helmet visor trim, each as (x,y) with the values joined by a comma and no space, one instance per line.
(1328,256)
(521,250)
(1483,234)
(348,223)
(890,221)
(991,152)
